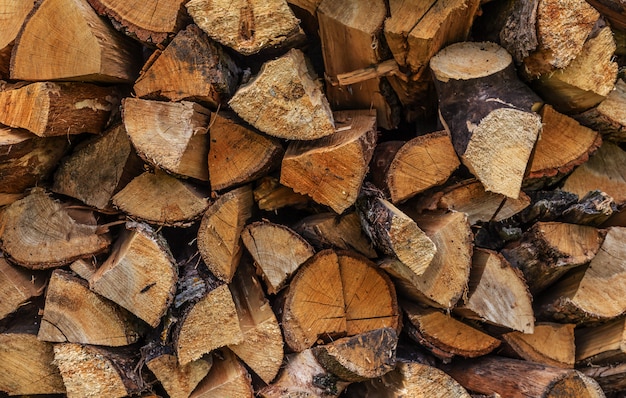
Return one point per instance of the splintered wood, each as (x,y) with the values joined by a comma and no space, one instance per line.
(313,198)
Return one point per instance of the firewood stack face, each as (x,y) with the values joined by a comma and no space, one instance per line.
(312,198)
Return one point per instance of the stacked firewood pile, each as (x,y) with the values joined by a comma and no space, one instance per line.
(312,198)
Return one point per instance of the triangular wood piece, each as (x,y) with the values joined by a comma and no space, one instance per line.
(238,154)
(228,378)
(98,169)
(247,26)
(204,72)
(12,16)
(178,381)
(39,232)
(52,109)
(140,274)
(170,135)
(550,343)
(150,23)
(603,344)
(74,314)
(277,252)
(81,47)
(609,117)
(161,199)
(219,236)
(17,286)
(295,108)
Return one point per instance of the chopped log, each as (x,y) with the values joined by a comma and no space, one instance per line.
(609,117)
(332,231)
(550,344)
(171,136)
(140,273)
(90,371)
(331,169)
(17,286)
(74,314)
(228,378)
(238,154)
(12,16)
(592,209)
(549,249)
(393,232)
(39,232)
(271,195)
(593,293)
(98,169)
(178,381)
(601,172)
(219,236)
(587,80)
(206,325)
(410,379)
(417,30)
(152,24)
(82,46)
(611,378)
(247,27)
(284,100)
(546,35)
(336,294)
(190,68)
(262,345)
(277,251)
(356,25)
(415,166)
(445,336)
(26,365)
(492,124)
(27,160)
(51,109)
(497,294)
(471,198)
(517,379)
(563,145)
(158,198)
(602,344)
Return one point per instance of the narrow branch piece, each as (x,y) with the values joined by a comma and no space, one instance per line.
(550,344)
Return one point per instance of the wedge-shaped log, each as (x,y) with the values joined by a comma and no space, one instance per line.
(74,314)
(497,293)
(336,294)
(488,111)
(609,117)
(332,231)
(410,379)
(393,232)
(445,336)
(219,236)
(247,26)
(271,195)
(98,169)
(203,71)
(17,286)
(284,100)
(277,251)
(358,26)
(39,232)
(171,136)
(601,172)
(549,249)
(81,47)
(593,293)
(602,344)
(159,198)
(12,16)
(150,23)
(239,154)
(91,371)
(331,169)
(563,145)
(550,344)
(50,109)
(405,169)
(177,380)
(140,274)
(228,378)
(262,345)
(517,379)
